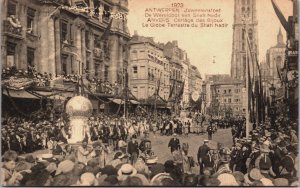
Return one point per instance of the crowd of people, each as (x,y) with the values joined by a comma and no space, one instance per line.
(117,153)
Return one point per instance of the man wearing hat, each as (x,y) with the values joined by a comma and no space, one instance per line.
(133,149)
(202,152)
(174,143)
(210,131)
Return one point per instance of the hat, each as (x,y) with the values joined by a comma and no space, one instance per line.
(29,158)
(227,180)
(295,183)
(87,179)
(144,180)
(141,167)
(253,175)
(158,178)
(281,182)
(119,155)
(266,182)
(239,176)
(109,170)
(126,170)
(64,167)
(51,167)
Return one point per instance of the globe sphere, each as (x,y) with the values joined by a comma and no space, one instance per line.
(79,106)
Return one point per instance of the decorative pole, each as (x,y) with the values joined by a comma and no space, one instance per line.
(247,78)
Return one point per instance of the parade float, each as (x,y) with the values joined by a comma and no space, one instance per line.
(79,109)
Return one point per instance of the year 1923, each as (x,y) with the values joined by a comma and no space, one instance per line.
(177,5)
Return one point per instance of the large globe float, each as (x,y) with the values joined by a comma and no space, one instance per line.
(79,109)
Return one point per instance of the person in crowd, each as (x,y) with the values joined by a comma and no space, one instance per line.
(133,149)
(174,143)
(210,131)
(83,152)
(202,152)
(9,176)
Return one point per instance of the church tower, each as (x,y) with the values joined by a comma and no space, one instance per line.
(244,20)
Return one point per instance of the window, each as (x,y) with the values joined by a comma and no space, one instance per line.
(30,20)
(11,8)
(225,100)
(87,40)
(250,34)
(97,41)
(97,70)
(225,91)
(135,70)
(64,31)
(87,68)
(30,56)
(64,65)
(229,91)
(106,13)
(229,100)
(70,34)
(106,71)
(10,57)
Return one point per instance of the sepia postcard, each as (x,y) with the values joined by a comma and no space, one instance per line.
(141,93)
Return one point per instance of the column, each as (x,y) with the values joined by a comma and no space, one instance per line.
(83,51)
(42,65)
(51,47)
(78,57)
(57,46)
(114,58)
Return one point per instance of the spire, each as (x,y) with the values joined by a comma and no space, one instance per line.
(280,37)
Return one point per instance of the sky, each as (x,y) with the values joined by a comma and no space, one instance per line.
(202,44)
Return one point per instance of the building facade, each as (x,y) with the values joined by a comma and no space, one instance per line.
(175,56)
(64,40)
(245,19)
(275,60)
(148,69)
(224,95)
(64,37)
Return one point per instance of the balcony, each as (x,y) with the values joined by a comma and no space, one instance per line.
(12,30)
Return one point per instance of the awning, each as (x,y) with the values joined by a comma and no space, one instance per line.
(117,101)
(20,94)
(134,102)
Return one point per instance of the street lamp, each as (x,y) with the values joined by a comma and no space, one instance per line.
(272,108)
(203,98)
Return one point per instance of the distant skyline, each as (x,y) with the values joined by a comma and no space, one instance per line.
(201,44)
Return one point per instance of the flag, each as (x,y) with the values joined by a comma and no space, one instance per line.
(282,19)
(171,90)
(107,31)
(181,91)
(279,75)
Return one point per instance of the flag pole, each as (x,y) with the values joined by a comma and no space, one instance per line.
(247,84)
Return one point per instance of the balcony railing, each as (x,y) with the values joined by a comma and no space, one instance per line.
(12,30)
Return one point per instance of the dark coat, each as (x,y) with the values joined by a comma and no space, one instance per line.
(133,147)
(202,151)
(174,144)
